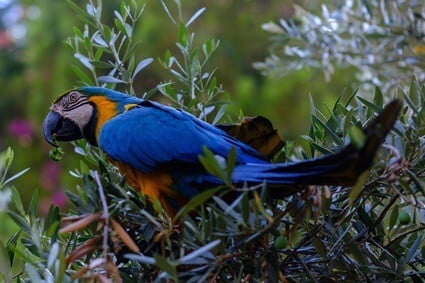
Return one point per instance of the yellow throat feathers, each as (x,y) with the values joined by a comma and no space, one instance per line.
(106,109)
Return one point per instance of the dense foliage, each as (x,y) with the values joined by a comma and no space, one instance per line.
(382,41)
(371,232)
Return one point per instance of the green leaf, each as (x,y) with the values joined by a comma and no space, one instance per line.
(151,218)
(331,132)
(109,79)
(220,113)
(210,163)
(281,242)
(201,252)
(393,216)
(91,10)
(197,200)
(5,268)
(320,148)
(228,209)
(167,59)
(414,249)
(128,30)
(16,199)
(17,175)
(84,60)
(100,41)
(357,188)
(260,206)
(414,90)
(107,34)
(141,258)
(366,218)
(166,265)
(11,245)
(75,199)
(52,230)
(168,12)
(33,274)
(101,65)
(348,120)
(142,64)
(8,158)
(207,47)
(118,15)
(410,102)
(369,104)
(20,221)
(32,208)
(378,98)
(356,251)
(53,255)
(81,75)
(357,137)
(320,246)
(195,16)
(212,84)
(125,75)
(182,36)
(76,8)
(119,25)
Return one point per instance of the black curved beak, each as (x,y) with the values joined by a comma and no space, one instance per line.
(58,128)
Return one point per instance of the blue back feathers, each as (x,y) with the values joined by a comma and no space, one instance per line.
(152,134)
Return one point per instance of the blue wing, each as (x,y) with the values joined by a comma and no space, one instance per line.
(152,134)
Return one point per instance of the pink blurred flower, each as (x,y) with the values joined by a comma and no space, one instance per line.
(50,173)
(59,198)
(5,40)
(22,130)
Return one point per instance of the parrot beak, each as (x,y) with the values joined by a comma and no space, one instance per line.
(58,128)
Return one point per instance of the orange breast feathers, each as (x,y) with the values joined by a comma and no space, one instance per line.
(155,185)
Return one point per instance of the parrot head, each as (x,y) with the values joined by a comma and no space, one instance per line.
(80,113)
(68,118)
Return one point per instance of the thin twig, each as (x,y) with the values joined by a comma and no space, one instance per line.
(105,214)
(308,237)
(264,230)
(308,272)
(404,235)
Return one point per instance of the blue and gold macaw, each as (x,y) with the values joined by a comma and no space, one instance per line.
(157,147)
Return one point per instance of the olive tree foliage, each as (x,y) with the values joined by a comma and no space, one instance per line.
(384,41)
(371,232)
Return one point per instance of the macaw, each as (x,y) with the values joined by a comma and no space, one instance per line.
(157,147)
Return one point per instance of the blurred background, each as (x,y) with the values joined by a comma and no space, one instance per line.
(35,68)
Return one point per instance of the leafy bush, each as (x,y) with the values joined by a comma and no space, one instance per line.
(371,232)
(382,41)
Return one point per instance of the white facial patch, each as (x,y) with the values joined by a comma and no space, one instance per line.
(80,115)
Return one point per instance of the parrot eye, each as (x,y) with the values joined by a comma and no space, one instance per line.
(73,100)
(73,96)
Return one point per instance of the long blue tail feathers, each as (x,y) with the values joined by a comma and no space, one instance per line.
(342,168)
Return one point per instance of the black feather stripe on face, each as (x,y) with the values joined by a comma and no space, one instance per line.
(89,130)
(71,100)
